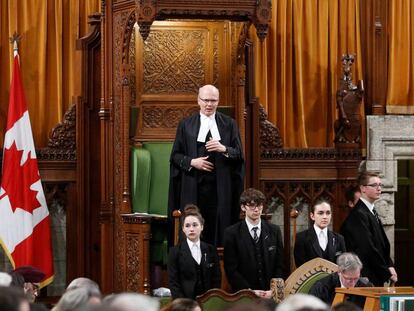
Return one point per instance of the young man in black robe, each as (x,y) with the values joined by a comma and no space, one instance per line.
(207,166)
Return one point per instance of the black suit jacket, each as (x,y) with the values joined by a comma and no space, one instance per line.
(307,246)
(182,274)
(324,289)
(366,237)
(239,255)
(229,170)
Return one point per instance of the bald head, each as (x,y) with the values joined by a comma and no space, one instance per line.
(208,99)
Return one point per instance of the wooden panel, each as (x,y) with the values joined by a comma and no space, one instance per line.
(171,64)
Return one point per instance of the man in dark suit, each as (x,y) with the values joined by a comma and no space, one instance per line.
(253,249)
(318,241)
(365,236)
(207,166)
(348,275)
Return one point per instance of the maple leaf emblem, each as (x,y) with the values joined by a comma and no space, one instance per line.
(17,179)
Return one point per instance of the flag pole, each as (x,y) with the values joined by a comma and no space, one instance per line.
(15,39)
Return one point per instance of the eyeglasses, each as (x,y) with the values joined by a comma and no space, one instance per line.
(376,186)
(253,206)
(208,101)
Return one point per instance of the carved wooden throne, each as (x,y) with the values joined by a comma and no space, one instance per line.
(137,88)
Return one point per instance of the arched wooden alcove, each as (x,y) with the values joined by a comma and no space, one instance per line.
(125,239)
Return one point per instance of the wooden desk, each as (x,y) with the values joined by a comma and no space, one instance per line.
(372,294)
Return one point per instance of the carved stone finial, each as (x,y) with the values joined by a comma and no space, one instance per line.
(348,100)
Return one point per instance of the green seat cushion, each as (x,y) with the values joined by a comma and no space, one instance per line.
(160,174)
(307,285)
(140,179)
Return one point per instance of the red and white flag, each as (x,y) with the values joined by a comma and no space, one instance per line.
(24,216)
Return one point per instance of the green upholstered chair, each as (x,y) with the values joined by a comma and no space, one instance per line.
(217,299)
(302,279)
(149,190)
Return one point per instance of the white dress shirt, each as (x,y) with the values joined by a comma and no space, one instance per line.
(322,235)
(195,250)
(251,226)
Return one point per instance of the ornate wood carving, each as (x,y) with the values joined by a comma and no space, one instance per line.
(136,241)
(312,154)
(269,133)
(133,253)
(62,141)
(348,100)
(174,61)
(259,12)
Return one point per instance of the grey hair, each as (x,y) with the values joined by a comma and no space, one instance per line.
(83,282)
(348,262)
(5,279)
(75,298)
(132,301)
(299,302)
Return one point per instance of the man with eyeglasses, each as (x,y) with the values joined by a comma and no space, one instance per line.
(207,166)
(253,248)
(348,275)
(365,236)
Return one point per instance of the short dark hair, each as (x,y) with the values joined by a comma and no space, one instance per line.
(191,210)
(350,193)
(318,202)
(364,177)
(252,195)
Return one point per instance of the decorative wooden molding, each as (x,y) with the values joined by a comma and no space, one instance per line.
(269,133)
(312,154)
(348,100)
(62,141)
(277,285)
(257,11)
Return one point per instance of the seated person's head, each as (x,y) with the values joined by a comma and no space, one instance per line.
(77,298)
(13,299)
(184,304)
(192,222)
(32,279)
(321,213)
(251,203)
(302,302)
(352,195)
(83,282)
(349,269)
(133,302)
(346,306)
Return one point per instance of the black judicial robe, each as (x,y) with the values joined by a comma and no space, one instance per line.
(229,170)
